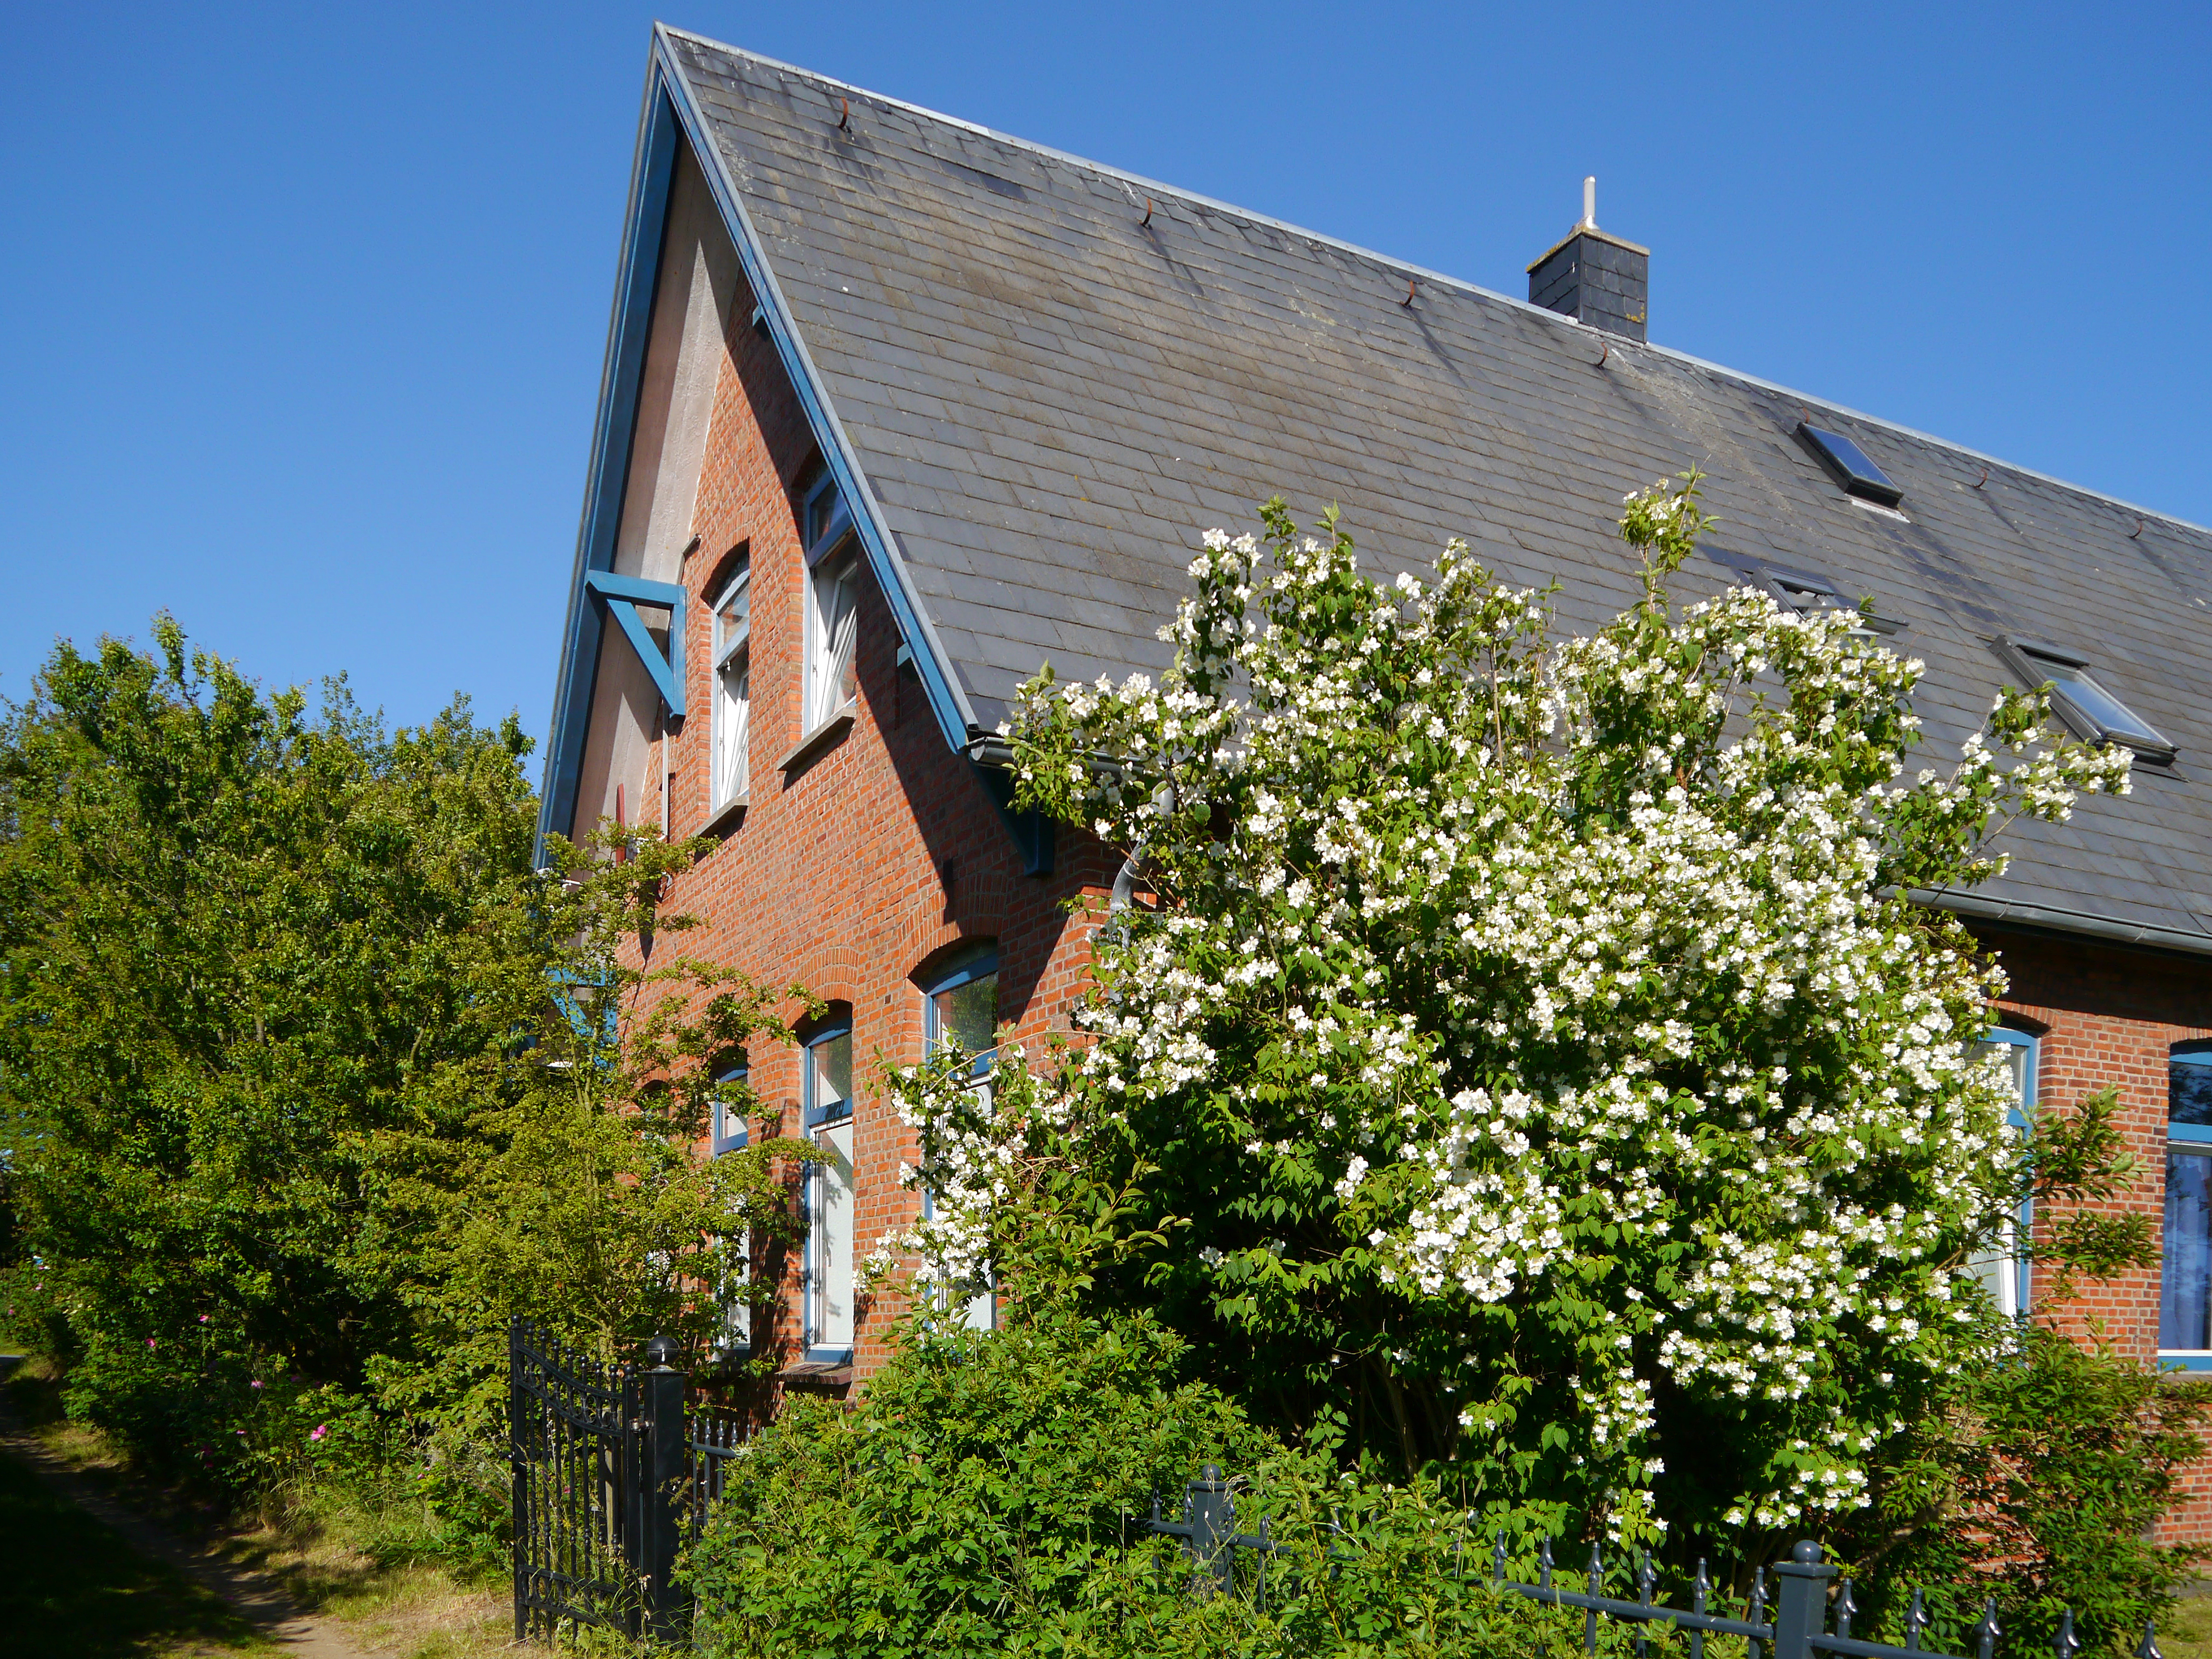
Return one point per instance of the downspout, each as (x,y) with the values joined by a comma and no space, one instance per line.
(1125,885)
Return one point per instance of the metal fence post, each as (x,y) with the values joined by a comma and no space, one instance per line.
(660,1454)
(518,1412)
(1800,1601)
(1212,1518)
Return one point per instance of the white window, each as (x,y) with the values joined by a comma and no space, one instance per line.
(833,584)
(2003,1271)
(829,1107)
(961,1007)
(732,694)
(730,1133)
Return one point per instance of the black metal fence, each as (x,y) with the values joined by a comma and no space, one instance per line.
(610,1463)
(1800,1589)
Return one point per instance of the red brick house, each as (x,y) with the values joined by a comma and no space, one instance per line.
(895,409)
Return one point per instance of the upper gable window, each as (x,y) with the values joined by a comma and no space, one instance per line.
(2094,713)
(833,584)
(1852,466)
(730,737)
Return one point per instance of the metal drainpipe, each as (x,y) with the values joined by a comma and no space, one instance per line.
(1125,885)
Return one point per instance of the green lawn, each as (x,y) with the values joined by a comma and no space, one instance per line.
(67,1585)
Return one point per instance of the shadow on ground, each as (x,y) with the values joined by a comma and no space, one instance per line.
(71,1586)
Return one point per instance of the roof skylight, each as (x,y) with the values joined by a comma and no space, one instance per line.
(1801,591)
(2094,713)
(1854,468)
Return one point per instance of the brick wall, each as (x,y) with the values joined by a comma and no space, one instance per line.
(2108,1017)
(850,872)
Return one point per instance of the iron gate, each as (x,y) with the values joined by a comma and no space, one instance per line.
(605,1464)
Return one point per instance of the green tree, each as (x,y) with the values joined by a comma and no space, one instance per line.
(308,1080)
(241,946)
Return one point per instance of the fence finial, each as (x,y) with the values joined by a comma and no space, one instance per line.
(1986,1632)
(2066,1644)
(2148,1648)
(1498,1560)
(1845,1606)
(1916,1620)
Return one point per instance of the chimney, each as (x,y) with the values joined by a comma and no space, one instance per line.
(1595,277)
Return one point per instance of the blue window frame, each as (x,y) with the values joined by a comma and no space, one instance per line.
(2184,1306)
(2004,1271)
(960,1005)
(827,1100)
(729,776)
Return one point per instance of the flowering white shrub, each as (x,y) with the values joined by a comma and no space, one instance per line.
(1529,1060)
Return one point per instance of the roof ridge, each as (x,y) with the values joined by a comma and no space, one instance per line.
(1424,274)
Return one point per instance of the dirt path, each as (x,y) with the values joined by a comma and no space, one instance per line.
(256,1599)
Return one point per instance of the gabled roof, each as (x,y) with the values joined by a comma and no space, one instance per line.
(1047,378)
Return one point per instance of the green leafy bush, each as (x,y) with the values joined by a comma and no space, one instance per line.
(2038,1482)
(982,1483)
(990,1494)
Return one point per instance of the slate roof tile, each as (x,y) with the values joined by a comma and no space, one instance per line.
(1053,402)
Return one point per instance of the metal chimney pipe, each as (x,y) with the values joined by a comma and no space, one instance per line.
(1589,201)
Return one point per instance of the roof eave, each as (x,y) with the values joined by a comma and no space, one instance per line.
(2074,924)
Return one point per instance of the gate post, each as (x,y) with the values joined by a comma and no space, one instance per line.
(1800,1603)
(661,1456)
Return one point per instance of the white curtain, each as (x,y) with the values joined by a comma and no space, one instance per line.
(836,629)
(732,751)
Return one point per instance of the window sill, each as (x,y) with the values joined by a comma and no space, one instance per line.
(725,820)
(822,738)
(2190,1362)
(830,1366)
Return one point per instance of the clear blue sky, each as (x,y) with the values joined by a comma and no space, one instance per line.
(302,309)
